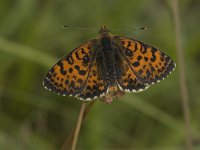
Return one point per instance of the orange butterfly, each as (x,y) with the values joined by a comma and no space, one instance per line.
(108,66)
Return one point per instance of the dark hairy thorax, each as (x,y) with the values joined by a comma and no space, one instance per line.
(108,60)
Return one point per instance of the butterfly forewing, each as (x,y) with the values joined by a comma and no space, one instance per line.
(68,75)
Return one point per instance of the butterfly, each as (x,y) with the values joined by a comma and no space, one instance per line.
(107,67)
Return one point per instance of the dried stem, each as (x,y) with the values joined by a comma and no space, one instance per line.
(70,138)
(88,109)
(78,126)
(182,76)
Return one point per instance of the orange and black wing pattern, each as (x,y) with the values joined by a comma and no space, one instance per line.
(76,74)
(128,80)
(106,67)
(149,64)
(95,86)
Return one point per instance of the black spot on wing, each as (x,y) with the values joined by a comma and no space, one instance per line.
(146,59)
(62,71)
(82,72)
(129,52)
(70,59)
(77,55)
(70,70)
(83,51)
(139,57)
(143,48)
(135,64)
(86,59)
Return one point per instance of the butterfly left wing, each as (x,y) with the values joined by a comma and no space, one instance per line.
(149,64)
(95,87)
(76,74)
(67,76)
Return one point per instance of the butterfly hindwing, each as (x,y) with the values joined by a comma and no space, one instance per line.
(148,63)
(128,81)
(95,86)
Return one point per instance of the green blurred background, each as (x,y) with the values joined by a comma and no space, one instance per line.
(32,40)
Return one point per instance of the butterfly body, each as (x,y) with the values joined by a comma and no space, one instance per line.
(106,58)
(107,67)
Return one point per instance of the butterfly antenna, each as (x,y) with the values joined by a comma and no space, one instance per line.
(130,29)
(82,28)
(143,28)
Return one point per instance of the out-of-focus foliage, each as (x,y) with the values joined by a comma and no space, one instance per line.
(31,40)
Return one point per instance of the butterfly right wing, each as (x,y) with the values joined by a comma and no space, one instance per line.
(128,81)
(149,64)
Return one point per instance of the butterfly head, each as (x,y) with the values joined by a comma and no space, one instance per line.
(104,32)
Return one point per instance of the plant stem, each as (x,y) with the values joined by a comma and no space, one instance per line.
(78,126)
(182,76)
(88,109)
(68,141)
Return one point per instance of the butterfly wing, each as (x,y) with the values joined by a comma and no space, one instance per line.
(72,75)
(128,81)
(95,86)
(148,64)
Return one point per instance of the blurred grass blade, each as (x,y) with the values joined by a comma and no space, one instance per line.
(182,74)
(154,112)
(24,52)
